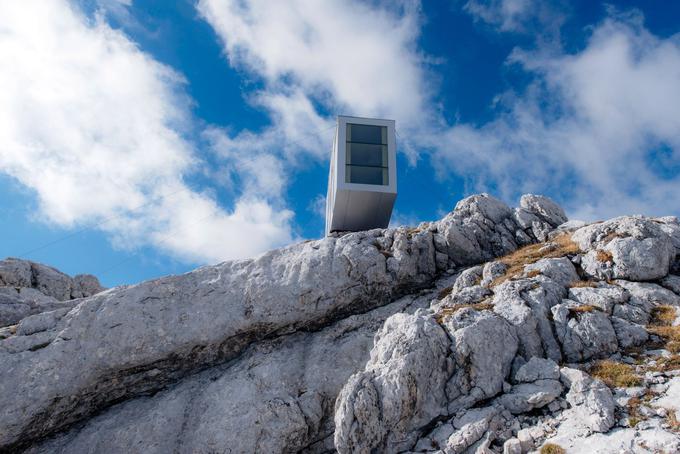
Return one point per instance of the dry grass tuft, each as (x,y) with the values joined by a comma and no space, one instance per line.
(583,309)
(580,284)
(666,364)
(669,333)
(533,273)
(604,256)
(411,231)
(610,236)
(552,448)
(615,374)
(559,246)
(673,347)
(633,408)
(485,305)
(672,420)
(663,315)
(443,293)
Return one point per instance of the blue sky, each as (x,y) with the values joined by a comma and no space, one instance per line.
(140,138)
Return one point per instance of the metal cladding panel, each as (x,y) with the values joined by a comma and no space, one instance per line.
(361,210)
(354,206)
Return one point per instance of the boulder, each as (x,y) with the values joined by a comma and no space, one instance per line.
(604,297)
(17,303)
(590,399)
(631,248)
(583,335)
(401,389)
(483,347)
(560,270)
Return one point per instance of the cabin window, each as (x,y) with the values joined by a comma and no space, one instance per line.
(366,155)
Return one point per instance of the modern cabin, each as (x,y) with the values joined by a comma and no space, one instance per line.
(362,183)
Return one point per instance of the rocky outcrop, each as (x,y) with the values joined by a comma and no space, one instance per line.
(28,288)
(131,341)
(441,338)
(539,311)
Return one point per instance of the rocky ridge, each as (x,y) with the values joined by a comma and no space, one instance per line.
(395,340)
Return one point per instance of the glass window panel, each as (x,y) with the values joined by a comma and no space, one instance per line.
(366,134)
(366,154)
(366,175)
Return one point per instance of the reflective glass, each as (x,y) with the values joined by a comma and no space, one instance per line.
(366,175)
(363,154)
(367,134)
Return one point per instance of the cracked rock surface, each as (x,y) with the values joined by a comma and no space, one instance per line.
(491,330)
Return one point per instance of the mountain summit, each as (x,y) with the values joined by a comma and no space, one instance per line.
(491,330)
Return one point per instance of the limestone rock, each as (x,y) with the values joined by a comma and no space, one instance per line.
(135,340)
(491,271)
(632,248)
(537,369)
(17,303)
(543,207)
(401,389)
(483,346)
(628,334)
(28,288)
(583,335)
(527,396)
(560,270)
(590,398)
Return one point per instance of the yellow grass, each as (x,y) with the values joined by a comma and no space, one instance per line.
(449,311)
(672,420)
(583,309)
(615,374)
(579,284)
(560,246)
(552,448)
(604,256)
(663,315)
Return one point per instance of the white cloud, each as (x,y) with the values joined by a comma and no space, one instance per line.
(319,59)
(582,131)
(541,18)
(95,127)
(587,129)
(359,56)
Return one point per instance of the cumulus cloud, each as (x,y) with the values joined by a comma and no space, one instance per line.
(600,129)
(319,59)
(97,127)
(539,17)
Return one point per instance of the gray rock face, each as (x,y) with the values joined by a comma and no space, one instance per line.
(483,346)
(28,288)
(629,334)
(401,389)
(583,335)
(631,248)
(472,431)
(133,340)
(525,397)
(348,343)
(537,369)
(480,229)
(526,304)
(538,384)
(604,297)
(539,215)
(591,400)
(17,303)
(544,208)
(559,270)
(278,396)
